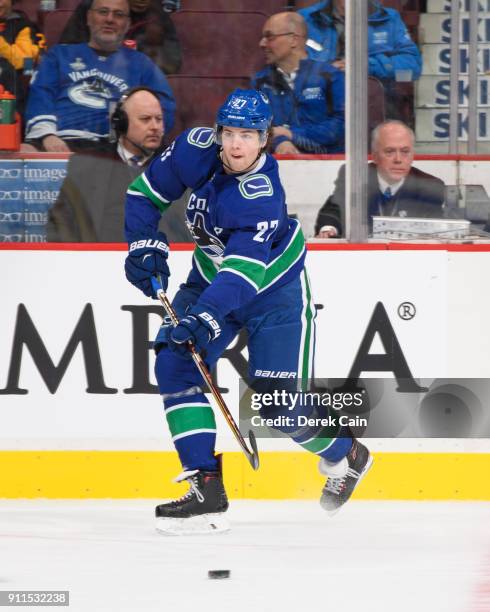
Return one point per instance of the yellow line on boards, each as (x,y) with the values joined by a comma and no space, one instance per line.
(282,475)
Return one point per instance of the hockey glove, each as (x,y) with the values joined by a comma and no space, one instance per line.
(200,325)
(148,257)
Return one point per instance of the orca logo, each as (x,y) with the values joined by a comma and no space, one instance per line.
(205,240)
(92,95)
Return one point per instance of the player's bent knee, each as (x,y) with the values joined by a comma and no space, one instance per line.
(162,338)
(174,374)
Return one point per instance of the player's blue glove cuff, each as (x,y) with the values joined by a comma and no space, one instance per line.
(148,257)
(200,325)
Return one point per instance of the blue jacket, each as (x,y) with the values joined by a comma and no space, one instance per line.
(313,110)
(389,44)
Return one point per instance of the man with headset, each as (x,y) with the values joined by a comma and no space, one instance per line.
(138,138)
(73,91)
(89,206)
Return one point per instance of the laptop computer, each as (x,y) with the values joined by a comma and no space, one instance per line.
(416,227)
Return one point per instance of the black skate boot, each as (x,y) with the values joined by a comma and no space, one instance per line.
(200,510)
(344,476)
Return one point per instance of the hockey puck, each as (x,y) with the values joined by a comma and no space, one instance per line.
(218,574)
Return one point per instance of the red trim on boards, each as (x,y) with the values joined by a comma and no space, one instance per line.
(81,246)
(314,246)
(346,246)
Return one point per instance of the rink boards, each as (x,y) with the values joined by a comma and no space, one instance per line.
(80,415)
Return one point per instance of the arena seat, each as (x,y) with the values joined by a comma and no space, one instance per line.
(198,98)
(217,43)
(376,103)
(53,23)
(403,5)
(68,4)
(29,7)
(265,6)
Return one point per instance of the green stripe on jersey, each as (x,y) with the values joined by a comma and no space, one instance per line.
(141,186)
(252,270)
(205,264)
(309,315)
(188,418)
(286,260)
(273,271)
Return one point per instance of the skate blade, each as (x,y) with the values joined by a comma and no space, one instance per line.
(363,473)
(195,525)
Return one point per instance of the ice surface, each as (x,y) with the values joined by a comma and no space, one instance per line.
(283,556)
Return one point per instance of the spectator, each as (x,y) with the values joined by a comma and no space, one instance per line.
(395,187)
(390,47)
(75,86)
(307,96)
(150,26)
(21,45)
(393,56)
(90,205)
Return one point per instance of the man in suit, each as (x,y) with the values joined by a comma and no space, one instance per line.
(90,205)
(395,187)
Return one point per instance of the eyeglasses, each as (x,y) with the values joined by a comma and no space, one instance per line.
(105,12)
(269,36)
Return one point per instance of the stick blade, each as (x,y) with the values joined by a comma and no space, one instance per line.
(253,457)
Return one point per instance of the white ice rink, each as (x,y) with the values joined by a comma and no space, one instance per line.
(284,556)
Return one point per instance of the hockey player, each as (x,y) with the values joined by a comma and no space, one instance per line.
(247,271)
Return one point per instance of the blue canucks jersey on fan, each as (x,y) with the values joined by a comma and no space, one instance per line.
(245,242)
(72,91)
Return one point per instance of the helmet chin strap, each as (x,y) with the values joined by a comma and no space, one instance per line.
(220,155)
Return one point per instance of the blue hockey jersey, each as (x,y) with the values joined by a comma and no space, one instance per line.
(245,242)
(74,88)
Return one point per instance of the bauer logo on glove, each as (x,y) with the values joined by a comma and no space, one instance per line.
(147,258)
(212,323)
(198,326)
(149,244)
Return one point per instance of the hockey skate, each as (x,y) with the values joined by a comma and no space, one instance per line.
(200,510)
(344,476)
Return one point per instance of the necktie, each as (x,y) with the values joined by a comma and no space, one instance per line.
(134,161)
(386,202)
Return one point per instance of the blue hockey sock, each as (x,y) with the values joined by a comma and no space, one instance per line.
(193,428)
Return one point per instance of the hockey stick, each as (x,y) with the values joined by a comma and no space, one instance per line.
(252,455)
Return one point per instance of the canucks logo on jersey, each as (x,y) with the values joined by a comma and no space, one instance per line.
(205,240)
